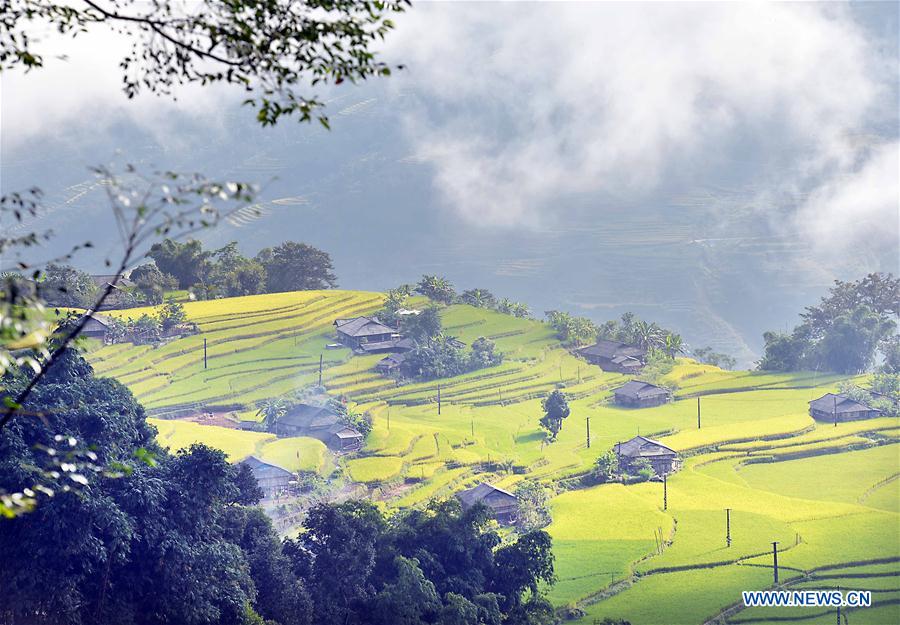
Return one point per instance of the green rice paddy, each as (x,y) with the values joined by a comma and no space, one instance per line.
(830,496)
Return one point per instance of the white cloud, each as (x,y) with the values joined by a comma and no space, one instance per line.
(860,205)
(79,90)
(534,102)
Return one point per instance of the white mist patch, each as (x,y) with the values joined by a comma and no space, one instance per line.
(527,104)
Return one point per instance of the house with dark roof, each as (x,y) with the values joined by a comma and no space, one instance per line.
(119,295)
(105,279)
(96,327)
(344,438)
(367,335)
(836,407)
(272,479)
(615,356)
(319,422)
(390,364)
(637,394)
(503,504)
(664,460)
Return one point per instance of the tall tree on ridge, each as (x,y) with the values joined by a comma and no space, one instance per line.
(296,267)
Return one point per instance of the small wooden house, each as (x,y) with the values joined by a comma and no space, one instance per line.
(301,419)
(322,423)
(836,407)
(664,460)
(272,479)
(96,327)
(344,438)
(359,331)
(390,364)
(503,504)
(615,356)
(637,394)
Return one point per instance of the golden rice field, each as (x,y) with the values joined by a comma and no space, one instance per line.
(830,496)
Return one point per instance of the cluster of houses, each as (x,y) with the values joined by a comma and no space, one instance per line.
(322,423)
(504,506)
(368,335)
(318,422)
(100,327)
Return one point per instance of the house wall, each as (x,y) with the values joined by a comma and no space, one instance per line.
(272,485)
(822,415)
(641,403)
(660,464)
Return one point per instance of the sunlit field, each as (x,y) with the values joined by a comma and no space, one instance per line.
(827,495)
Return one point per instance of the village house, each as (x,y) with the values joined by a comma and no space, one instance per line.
(322,423)
(836,407)
(664,460)
(637,394)
(119,296)
(367,335)
(390,364)
(272,479)
(503,504)
(105,279)
(97,327)
(615,356)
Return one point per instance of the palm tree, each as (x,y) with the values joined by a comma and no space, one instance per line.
(437,288)
(674,345)
(643,334)
(271,411)
(479,298)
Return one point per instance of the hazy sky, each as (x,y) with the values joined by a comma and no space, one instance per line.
(522,119)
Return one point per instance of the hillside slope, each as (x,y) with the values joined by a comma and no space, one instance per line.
(827,494)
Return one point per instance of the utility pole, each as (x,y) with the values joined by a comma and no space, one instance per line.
(834,411)
(728,527)
(839,610)
(775,559)
(204,353)
(698,412)
(439,399)
(588,432)
(321,357)
(473,429)
(665,492)
(579,373)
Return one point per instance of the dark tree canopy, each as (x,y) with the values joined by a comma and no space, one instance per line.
(424,326)
(187,261)
(151,284)
(119,550)
(556,409)
(436,288)
(846,332)
(273,50)
(63,285)
(296,267)
(442,565)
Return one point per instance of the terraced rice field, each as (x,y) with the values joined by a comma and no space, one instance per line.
(257,347)
(830,496)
